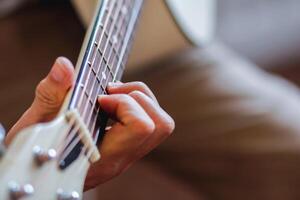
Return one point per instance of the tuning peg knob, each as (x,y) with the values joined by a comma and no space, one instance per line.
(17,191)
(61,195)
(41,155)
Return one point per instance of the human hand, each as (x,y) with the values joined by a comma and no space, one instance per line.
(141,124)
(49,96)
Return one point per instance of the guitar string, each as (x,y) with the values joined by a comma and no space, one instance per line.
(73,145)
(84,113)
(78,139)
(72,136)
(113,58)
(67,146)
(114,78)
(61,147)
(110,55)
(127,39)
(74,131)
(90,71)
(87,156)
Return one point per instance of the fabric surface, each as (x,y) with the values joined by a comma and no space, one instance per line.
(237,134)
(266,31)
(145,181)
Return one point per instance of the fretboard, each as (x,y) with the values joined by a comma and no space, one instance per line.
(105,57)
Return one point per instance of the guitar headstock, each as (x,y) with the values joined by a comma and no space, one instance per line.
(31,168)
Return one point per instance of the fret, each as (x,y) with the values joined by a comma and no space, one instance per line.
(93,118)
(103,89)
(111,74)
(97,61)
(103,66)
(108,77)
(90,83)
(103,43)
(111,58)
(94,50)
(109,3)
(115,7)
(117,76)
(104,18)
(89,106)
(109,24)
(106,58)
(85,101)
(85,74)
(107,11)
(106,53)
(99,33)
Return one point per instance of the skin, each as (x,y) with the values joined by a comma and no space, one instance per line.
(140,123)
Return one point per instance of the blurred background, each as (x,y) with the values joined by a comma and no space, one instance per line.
(266,32)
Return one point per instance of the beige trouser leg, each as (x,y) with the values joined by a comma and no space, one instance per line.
(238,128)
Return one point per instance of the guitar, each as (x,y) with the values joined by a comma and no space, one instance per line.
(50,161)
(166,27)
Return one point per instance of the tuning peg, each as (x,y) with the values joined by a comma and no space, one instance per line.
(42,155)
(2,137)
(62,195)
(17,191)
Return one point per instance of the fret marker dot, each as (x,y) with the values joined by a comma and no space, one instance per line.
(104,75)
(115,39)
(124,10)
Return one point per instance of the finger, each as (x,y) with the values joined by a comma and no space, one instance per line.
(50,94)
(134,126)
(126,88)
(164,124)
(125,109)
(51,91)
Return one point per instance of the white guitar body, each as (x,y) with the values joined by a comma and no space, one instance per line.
(166,26)
(24,172)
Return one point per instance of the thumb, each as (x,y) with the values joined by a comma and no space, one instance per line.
(51,91)
(50,94)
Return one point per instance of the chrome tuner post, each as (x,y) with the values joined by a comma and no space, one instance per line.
(42,155)
(18,191)
(2,138)
(62,195)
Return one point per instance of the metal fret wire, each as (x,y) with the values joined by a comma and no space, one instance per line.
(92,122)
(89,119)
(89,115)
(86,64)
(70,145)
(131,25)
(75,142)
(83,66)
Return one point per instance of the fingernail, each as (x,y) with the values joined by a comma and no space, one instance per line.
(101,96)
(58,72)
(114,84)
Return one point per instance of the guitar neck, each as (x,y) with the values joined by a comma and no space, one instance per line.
(104,57)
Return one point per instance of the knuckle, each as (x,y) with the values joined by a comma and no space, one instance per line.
(46,97)
(144,127)
(136,94)
(125,99)
(141,85)
(167,126)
